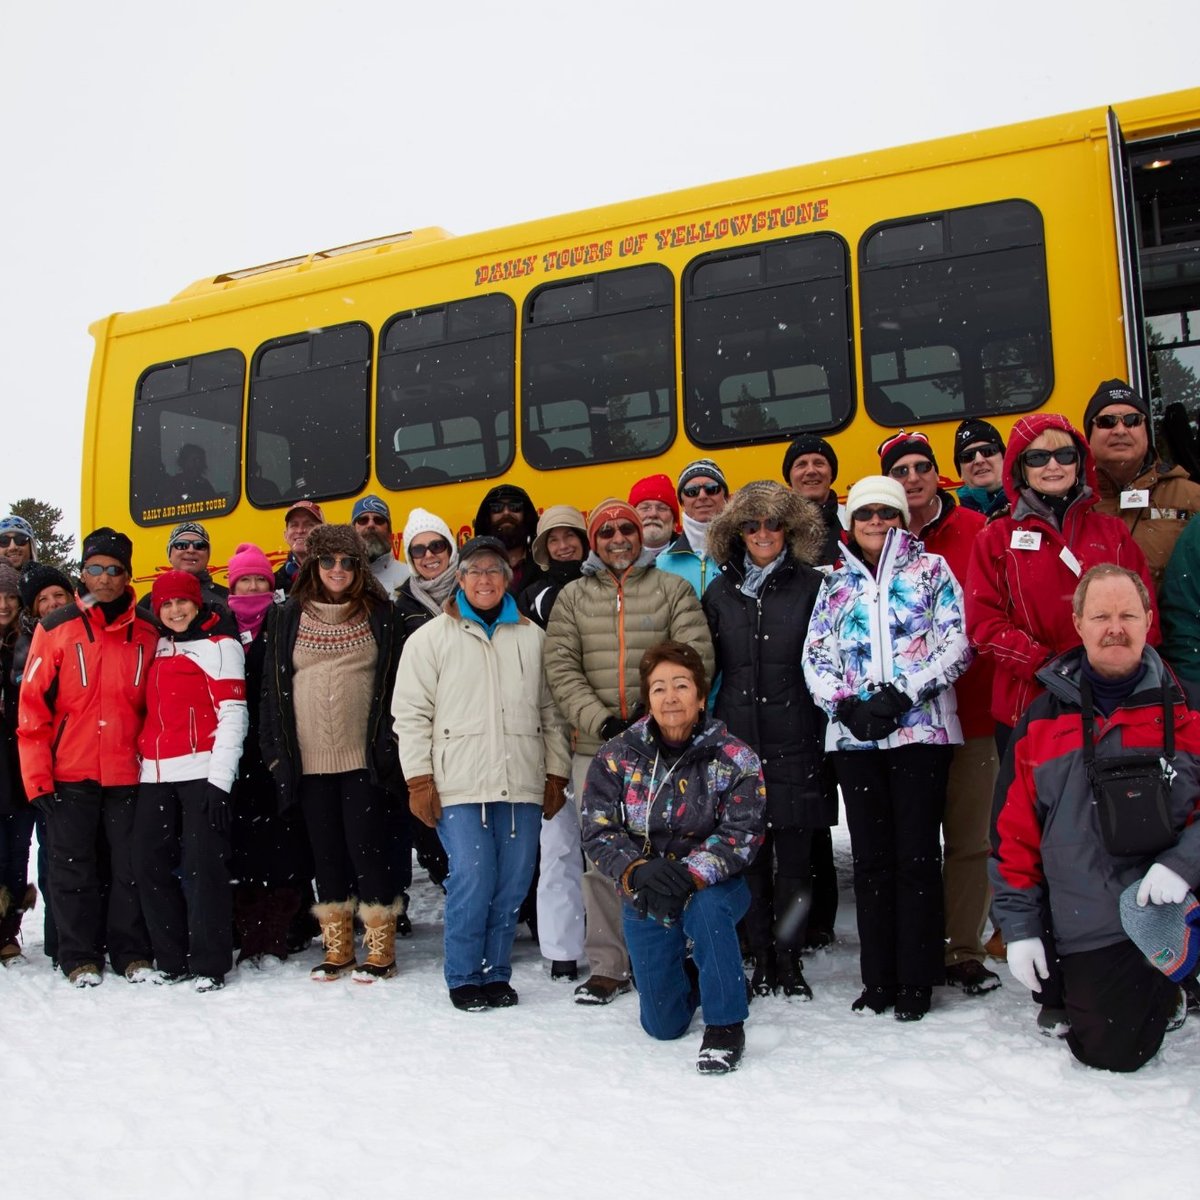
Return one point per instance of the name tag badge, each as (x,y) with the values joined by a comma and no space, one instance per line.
(1070,560)
(1026,539)
(1135,498)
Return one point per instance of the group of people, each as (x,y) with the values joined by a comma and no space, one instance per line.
(630,726)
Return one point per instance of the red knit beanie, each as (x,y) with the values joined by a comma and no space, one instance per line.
(608,510)
(656,487)
(174,585)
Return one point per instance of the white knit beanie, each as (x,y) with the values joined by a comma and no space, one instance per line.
(878,489)
(421,521)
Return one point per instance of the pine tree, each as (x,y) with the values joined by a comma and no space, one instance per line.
(54,549)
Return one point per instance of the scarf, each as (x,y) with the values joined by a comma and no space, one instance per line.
(697,535)
(753,577)
(249,611)
(433,593)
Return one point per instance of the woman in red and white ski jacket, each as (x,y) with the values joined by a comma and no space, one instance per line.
(196,721)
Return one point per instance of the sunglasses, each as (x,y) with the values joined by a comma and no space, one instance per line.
(692,490)
(885,512)
(1112,420)
(96,569)
(624,528)
(186,545)
(328,561)
(969,456)
(921,468)
(13,539)
(437,546)
(371,519)
(513,506)
(771,525)
(1065,455)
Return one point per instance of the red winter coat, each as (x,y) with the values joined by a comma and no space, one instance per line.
(1019,600)
(83,698)
(953,534)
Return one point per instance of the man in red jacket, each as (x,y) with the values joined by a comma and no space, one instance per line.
(948,529)
(83,700)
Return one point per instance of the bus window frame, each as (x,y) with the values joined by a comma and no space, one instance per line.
(444,305)
(238,493)
(290,339)
(527,325)
(781,435)
(866,349)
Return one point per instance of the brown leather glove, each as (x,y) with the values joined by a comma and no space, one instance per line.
(423,800)
(554,796)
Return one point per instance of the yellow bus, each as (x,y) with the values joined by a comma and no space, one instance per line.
(987,274)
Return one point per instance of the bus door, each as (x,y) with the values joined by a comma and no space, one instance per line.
(1161,179)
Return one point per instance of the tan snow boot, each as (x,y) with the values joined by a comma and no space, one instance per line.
(337,936)
(379,940)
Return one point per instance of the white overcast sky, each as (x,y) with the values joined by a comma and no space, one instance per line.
(144,145)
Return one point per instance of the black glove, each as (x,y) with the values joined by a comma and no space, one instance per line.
(888,703)
(218,808)
(663,887)
(613,727)
(47,803)
(862,723)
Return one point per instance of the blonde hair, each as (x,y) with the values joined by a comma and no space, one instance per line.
(1052,439)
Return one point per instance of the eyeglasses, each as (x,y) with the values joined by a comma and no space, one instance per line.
(513,506)
(885,512)
(13,539)
(328,561)
(771,525)
(969,456)
(1065,455)
(484,572)
(182,544)
(922,468)
(624,528)
(1112,420)
(437,546)
(95,569)
(371,519)
(692,490)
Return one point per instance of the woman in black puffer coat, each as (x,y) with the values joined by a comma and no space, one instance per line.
(765,543)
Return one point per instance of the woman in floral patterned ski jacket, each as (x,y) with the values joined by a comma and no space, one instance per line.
(885,642)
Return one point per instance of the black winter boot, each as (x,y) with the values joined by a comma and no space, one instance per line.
(721,1049)
(765,980)
(791,975)
(912,1003)
(877,999)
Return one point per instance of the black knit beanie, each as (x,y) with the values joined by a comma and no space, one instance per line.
(808,443)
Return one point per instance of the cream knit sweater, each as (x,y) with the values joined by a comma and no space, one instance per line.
(334,661)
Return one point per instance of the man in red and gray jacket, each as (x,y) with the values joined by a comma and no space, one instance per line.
(83,701)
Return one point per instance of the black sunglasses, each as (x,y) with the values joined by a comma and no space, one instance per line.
(771,524)
(969,456)
(624,528)
(513,506)
(1112,420)
(692,490)
(922,468)
(186,545)
(96,569)
(437,546)
(885,512)
(328,561)
(13,539)
(1065,455)
(371,518)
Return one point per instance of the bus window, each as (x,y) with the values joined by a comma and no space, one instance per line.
(767,341)
(598,368)
(307,429)
(446,393)
(955,314)
(186,445)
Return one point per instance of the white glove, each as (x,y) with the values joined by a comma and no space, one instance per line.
(1027,962)
(1161,886)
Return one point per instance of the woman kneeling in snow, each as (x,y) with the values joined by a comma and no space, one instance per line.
(674,810)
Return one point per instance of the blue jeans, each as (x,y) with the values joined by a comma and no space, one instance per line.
(657,953)
(492,849)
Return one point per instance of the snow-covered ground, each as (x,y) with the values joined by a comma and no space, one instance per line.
(279,1087)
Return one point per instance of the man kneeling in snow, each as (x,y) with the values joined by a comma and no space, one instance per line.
(1098,787)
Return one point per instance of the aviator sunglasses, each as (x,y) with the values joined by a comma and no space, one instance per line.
(1112,420)
(329,561)
(922,468)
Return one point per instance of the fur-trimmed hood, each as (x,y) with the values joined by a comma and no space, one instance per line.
(803,525)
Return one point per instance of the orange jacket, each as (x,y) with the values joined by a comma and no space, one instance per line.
(83,698)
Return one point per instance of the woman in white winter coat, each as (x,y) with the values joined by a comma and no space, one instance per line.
(485,756)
